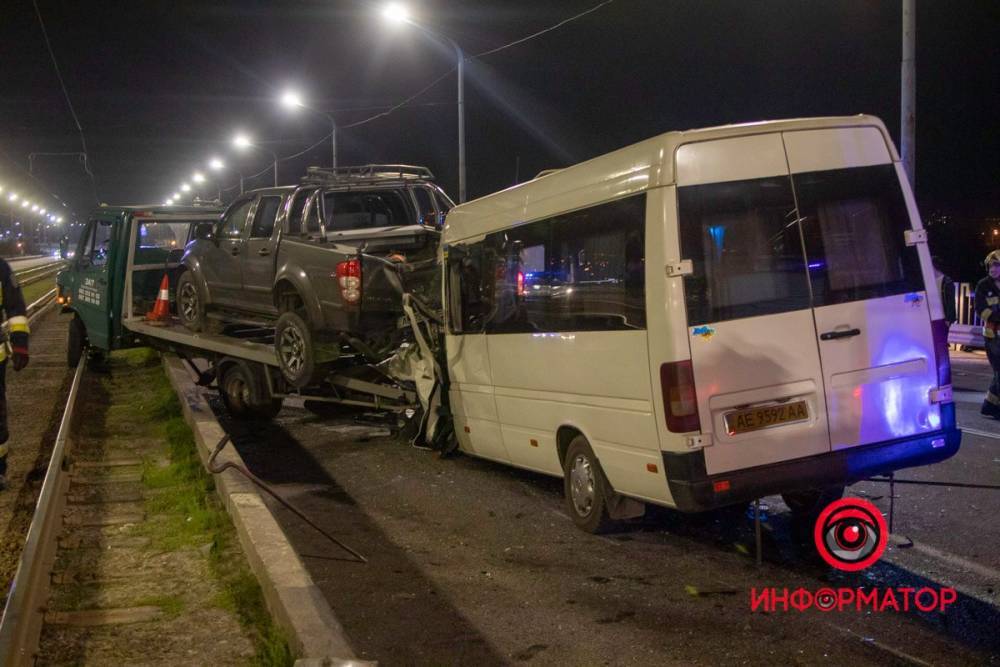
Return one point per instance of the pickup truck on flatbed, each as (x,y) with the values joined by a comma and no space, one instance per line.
(325,262)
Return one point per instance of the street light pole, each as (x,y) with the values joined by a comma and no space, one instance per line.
(460,71)
(908,113)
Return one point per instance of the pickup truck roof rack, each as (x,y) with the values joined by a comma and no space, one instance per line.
(367,173)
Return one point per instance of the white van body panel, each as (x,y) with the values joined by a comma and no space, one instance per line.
(512,393)
(818,150)
(668,340)
(471,396)
(735,159)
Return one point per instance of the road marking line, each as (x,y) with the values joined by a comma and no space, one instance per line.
(976,431)
(870,641)
(950,558)
(963,396)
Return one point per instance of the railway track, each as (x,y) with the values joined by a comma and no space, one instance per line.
(22,615)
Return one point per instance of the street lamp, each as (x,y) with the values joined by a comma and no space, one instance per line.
(398,14)
(292,101)
(243,142)
(215,164)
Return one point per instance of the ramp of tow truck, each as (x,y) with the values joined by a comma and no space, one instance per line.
(175,333)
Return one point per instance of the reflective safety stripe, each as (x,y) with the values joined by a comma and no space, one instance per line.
(992,398)
(985,315)
(992,300)
(988,333)
(18,324)
(4,448)
(3,351)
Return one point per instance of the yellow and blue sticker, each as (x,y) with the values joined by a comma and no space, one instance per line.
(704,332)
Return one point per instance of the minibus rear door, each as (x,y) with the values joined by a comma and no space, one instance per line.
(754,356)
(872,316)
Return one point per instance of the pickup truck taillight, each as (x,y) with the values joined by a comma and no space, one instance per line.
(349,280)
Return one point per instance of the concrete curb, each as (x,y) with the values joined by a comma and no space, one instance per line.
(297,604)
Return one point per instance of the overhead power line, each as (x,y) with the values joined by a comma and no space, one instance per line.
(69,102)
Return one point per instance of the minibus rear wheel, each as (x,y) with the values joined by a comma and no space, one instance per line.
(806,506)
(586,488)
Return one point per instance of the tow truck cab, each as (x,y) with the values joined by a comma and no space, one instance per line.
(103,279)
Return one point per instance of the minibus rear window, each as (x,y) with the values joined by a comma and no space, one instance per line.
(745,249)
(854,223)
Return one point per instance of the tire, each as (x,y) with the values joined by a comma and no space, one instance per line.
(295,346)
(77,341)
(190,303)
(586,489)
(243,396)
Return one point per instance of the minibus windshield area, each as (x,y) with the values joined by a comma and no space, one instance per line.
(746,240)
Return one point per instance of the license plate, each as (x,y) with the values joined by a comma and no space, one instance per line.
(754,419)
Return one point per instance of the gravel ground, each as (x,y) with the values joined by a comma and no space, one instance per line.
(35,400)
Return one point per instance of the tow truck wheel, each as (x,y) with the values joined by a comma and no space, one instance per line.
(77,341)
(586,488)
(190,305)
(293,342)
(242,394)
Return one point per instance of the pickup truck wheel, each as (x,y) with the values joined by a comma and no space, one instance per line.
(240,393)
(586,489)
(77,341)
(190,305)
(293,342)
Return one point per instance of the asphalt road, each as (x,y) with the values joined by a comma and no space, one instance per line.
(476,563)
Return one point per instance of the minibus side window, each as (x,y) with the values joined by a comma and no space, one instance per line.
(579,271)
(469,291)
(853,222)
(745,248)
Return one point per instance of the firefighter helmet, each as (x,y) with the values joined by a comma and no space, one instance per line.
(994,256)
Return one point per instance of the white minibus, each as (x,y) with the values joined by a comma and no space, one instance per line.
(700,319)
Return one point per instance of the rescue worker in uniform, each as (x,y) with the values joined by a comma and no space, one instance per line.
(16,346)
(987,302)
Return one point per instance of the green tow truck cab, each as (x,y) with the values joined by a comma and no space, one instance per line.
(115,273)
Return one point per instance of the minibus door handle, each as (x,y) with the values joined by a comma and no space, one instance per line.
(834,335)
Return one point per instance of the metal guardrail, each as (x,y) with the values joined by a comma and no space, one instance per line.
(22,619)
(968,328)
(36,273)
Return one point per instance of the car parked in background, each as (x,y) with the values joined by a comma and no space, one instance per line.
(325,260)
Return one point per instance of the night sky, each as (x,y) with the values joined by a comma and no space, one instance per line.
(161,86)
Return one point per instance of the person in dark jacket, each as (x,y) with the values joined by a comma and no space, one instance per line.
(987,303)
(16,345)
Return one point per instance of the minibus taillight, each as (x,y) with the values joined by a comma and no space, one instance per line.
(939,330)
(520,283)
(349,280)
(680,402)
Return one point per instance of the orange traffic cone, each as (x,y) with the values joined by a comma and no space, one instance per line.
(161,309)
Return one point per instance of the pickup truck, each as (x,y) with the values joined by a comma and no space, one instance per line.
(325,261)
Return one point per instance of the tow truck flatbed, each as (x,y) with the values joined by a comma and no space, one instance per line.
(230,344)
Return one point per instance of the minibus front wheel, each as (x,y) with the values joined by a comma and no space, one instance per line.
(586,489)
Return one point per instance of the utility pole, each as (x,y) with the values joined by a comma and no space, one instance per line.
(908,112)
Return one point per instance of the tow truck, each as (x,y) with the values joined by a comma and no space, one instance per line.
(111,286)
